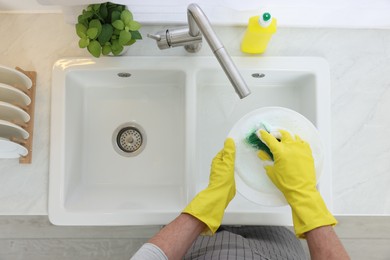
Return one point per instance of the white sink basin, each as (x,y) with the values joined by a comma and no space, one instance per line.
(301,84)
(184,108)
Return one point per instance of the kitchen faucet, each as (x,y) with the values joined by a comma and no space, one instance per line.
(191,38)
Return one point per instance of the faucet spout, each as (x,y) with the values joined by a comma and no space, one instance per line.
(197,21)
(191,37)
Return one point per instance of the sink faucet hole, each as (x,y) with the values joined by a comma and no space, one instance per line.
(258,75)
(129,139)
(124,75)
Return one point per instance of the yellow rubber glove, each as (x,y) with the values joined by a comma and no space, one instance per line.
(293,172)
(210,204)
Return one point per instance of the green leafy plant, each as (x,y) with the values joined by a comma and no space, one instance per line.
(106,28)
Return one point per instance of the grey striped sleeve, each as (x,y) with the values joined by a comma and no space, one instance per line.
(150,252)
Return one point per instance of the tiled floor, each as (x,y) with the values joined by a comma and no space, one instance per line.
(33,238)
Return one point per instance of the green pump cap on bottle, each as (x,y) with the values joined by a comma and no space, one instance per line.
(266,16)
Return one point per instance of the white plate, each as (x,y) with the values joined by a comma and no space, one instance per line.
(13,113)
(8,130)
(9,149)
(14,78)
(13,95)
(251,179)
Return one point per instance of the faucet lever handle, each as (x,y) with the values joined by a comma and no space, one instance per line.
(154,37)
(161,39)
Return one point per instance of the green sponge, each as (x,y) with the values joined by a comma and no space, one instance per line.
(254,141)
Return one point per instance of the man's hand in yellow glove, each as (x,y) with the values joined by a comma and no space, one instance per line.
(293,172)
(210,204)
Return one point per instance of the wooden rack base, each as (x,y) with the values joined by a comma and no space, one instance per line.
(30,110)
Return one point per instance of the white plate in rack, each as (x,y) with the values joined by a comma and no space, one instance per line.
(13,113)
(9,149)
(15,78)
(251,179)
(8,130)
(13,95)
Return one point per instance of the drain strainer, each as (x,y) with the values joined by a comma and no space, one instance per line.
(129,139)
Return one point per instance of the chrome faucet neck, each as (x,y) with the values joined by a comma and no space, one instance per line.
(191,38)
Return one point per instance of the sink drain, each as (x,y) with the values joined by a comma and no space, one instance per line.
(129,139)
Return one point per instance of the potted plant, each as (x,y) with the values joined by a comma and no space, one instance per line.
(107,28)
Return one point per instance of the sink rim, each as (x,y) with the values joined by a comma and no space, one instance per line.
(190,65)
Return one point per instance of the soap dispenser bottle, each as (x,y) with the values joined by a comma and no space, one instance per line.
(259,32)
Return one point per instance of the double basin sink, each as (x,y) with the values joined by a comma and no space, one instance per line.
(132,138)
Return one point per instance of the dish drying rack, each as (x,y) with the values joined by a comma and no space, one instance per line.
(27,126)
(30,109)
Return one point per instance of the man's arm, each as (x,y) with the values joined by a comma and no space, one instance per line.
(324,244)
(177,237)
(293,172)
(202,215)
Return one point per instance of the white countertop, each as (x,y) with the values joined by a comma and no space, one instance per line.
(359,63)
